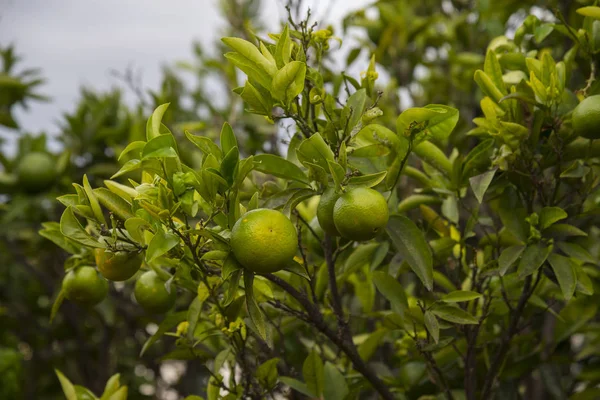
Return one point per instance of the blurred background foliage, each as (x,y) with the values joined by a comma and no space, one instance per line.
(426,52)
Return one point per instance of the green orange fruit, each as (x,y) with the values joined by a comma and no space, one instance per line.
(325,211)
(360,214)
(586,118)
(150,293)
(118,266)
(264,240)
(36,172)
(84,286)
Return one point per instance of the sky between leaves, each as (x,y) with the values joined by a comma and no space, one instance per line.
(80,42)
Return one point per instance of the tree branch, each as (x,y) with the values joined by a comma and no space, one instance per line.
(316,319)
(502,351)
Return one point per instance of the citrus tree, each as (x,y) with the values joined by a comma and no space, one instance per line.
(376,258)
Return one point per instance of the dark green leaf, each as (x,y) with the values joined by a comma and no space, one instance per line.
(160,244)
(454,314)
(550,215)
(71,228)
(412,246)
(296,385)
(253,308)
(391,290)
(577,252)
(280,167)
(508,257)
(459,296)
(336,387)
(312,371)
(432,325)
(533,258)
(565,273)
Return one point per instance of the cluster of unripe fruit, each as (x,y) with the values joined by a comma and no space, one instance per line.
(262,241)
(86,286)
(266,241)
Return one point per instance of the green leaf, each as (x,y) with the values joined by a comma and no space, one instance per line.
(454,314)
(564,269)
(67,386)
(392,291)
(228,140)
(353,110)
(433,155)
(493,69)
(584,283)
(258,102)
(162,146)
(288,82)
(412,246)
(376,140)
(296,268)
(129,166)
(266,373)
(193,315)
(228,165)
(336,387)
(533,258)
(487,86)
(480,183)
(283,49)
(279,167)
(114,203)
(478,159)
(551,215)
(369,180)
(576,251)
(590,11)
(206,145)
(154,122)
(563,230)
(253,308)
(312,371)
(111,387)
(375,339)
(251,53)
(458,296)
(437,121)
(432,325)
(120,394)
(160,244)
(137,145)
(126,192)
(230,266)
(542,31)
(71,228)
(55,236)
(337,173)
(254,71)
(508,257)
(315,150)
(296,385)
(93,201)
(170,321)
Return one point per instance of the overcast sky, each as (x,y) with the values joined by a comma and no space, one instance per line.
(78,42)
